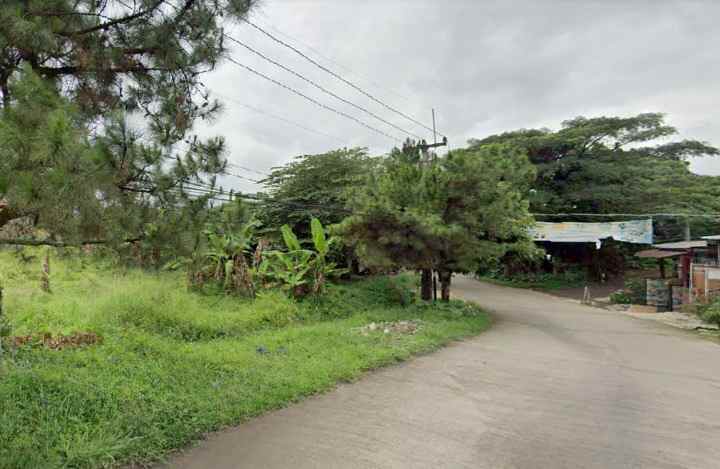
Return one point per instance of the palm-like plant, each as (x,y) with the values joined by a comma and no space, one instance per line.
(226,252)
(300,270)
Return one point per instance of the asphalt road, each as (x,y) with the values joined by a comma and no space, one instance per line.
(552,385)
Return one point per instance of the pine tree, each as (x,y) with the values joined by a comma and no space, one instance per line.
(110,188)
(71,72)
(145,55)
(450,214)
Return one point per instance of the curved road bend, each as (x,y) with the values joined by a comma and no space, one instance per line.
(552,385)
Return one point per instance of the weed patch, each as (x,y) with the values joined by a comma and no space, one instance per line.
(174,365)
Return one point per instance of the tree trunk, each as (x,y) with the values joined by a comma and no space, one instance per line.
(445,280)
(355,266)
(426,284)
(5,90)
(661,262)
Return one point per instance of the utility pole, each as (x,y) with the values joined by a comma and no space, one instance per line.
(434,129)
(431,275)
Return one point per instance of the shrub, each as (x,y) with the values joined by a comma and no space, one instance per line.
(620,297)
(342,300)
(711,311)
(634,292)
(548,281)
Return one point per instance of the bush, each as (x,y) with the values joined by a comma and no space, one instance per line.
(710,312)
(542,280)
(620,297)
(634,293)
(342,300)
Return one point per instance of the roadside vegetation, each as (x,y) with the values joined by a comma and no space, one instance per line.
(537,280)
(171,364)
(710,312)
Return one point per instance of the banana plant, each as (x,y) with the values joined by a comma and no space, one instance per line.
(298,270)
(226,254)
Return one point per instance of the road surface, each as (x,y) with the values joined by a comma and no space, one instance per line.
(552,384)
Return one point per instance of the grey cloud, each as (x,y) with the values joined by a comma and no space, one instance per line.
(486,66)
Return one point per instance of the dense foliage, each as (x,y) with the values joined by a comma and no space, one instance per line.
(145,55)
(606,164)
(314,186)
(449,214)
(109,187)
(711,312)
(615,165)
(72,75)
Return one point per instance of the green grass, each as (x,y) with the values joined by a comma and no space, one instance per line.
(174,364)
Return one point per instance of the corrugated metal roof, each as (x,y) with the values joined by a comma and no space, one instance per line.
(700,243)
(657,254)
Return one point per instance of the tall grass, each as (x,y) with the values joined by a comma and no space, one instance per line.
(174,365)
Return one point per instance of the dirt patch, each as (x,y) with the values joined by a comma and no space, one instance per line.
(397,327)
(57,342)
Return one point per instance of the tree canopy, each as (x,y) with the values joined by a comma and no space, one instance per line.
(79,187)
(314,186)
(449,214)
(73,74)
(616,165)
(609,164)
(140,55)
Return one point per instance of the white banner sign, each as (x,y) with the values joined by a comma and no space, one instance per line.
(633,231)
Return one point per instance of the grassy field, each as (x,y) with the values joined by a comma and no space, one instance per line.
(173,364)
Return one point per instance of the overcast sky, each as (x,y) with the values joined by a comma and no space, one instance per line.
(485,66)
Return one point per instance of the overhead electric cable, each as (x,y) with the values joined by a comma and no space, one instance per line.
(334,74)
(234,165)
(320,87)
(315,101)
(283,119)
(330,59)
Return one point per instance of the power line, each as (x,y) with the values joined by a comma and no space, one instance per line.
(216,196)
(255,181)
(283,119)
(320,87)
(327,70)
(331,60)
(324,106)
(247,169)
(209,190)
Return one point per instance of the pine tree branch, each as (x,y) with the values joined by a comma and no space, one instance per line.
(58,244)
(115,22)
(74,69)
